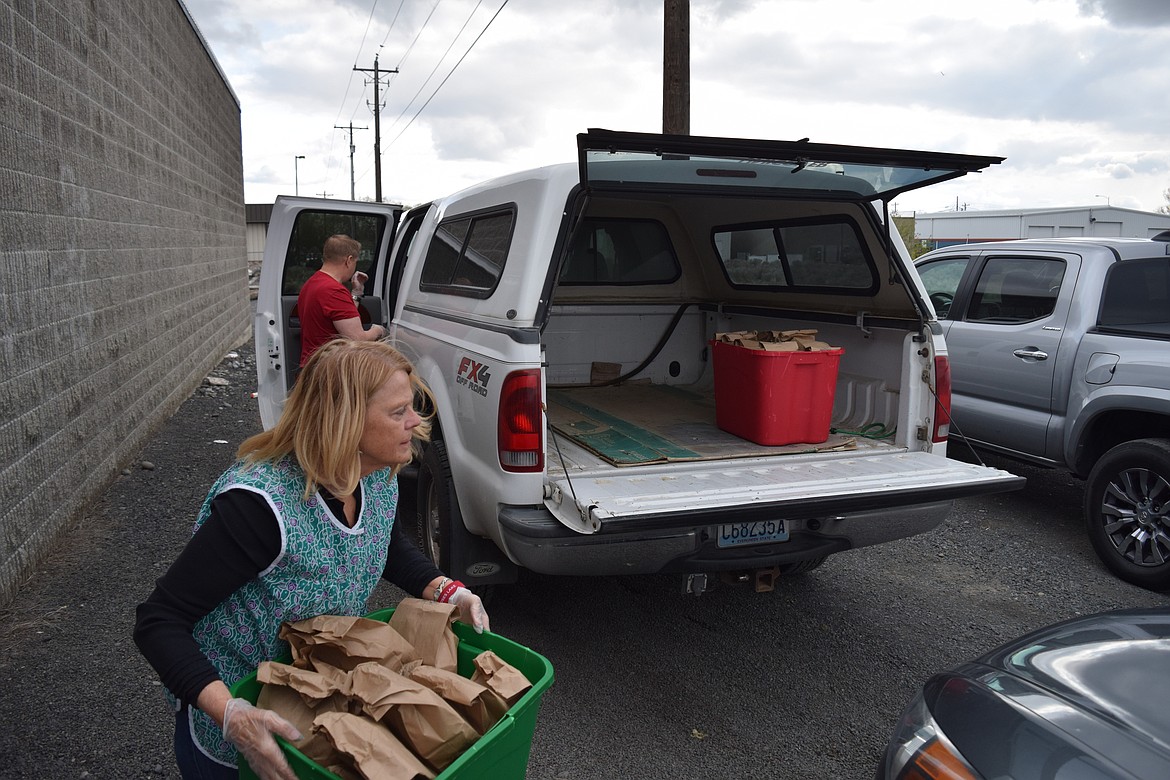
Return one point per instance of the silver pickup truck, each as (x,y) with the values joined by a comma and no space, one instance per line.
(1060,356)
(566,319)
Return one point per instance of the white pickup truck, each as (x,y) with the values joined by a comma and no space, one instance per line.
(564,317)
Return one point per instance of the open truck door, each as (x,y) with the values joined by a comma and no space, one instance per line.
(292,253)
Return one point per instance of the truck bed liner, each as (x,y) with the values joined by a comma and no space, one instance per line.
(636,424)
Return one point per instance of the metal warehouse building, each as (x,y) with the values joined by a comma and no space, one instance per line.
(962,227)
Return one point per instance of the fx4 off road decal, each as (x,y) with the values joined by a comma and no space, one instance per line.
(472,375)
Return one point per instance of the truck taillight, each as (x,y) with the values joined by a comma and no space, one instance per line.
(942,399)
(520,436)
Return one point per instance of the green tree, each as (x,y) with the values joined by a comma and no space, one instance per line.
(1165,209)
(905,227)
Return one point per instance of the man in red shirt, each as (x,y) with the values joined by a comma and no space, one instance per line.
(326,306)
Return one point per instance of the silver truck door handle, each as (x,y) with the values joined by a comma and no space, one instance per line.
(1032,353)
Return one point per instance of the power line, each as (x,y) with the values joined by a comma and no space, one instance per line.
(435,69)
(382,45)
(349,83)
(418,34)
(395,21)
(448,76)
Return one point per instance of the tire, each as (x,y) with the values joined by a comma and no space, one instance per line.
(1127,512)
(437,506)
(438,518)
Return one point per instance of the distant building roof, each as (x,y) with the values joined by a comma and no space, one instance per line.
(945,228)
(1030,212)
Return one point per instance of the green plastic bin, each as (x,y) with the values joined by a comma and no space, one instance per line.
(500,754)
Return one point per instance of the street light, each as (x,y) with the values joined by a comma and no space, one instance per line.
(297,175)
(1106,197)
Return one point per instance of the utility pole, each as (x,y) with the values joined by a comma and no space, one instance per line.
(676,67)
(352,193)
(377,108)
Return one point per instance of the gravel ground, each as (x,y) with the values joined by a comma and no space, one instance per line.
(79,701)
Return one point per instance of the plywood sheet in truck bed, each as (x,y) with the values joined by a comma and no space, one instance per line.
(635,424)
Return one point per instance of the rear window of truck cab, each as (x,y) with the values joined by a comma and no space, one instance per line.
(620,252)
(805,255)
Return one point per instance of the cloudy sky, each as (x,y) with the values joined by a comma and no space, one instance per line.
(1072,92)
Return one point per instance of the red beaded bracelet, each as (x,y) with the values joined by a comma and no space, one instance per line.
(449,591)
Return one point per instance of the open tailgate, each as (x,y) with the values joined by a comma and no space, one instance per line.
(795,486)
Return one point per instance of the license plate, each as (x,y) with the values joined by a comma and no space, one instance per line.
(736,534)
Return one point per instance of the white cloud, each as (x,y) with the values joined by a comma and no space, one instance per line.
(1068,90)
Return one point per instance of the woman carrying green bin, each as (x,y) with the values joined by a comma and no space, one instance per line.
(301,525)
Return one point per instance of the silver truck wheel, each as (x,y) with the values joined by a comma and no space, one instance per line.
(1127,512)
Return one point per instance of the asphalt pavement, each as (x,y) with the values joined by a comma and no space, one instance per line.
(806,681)
(78,700)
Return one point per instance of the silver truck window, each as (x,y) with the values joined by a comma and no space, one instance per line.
(309,232)
(941,279)
(467,254)
(1137,297)
(1016,289)
(812,256)
(620,252)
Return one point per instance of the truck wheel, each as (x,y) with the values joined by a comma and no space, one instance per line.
(1127,512)
(437,506)
(438,515)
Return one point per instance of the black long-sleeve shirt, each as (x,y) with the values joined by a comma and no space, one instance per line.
(239,539)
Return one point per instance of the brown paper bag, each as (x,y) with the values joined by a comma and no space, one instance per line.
(345,642)
(779,346)
(601,372)
(736,336)
(426,625)
(795,340)
(290,705)
(479,705)
(313,686)
(375,752)
(417,715)
(499,675)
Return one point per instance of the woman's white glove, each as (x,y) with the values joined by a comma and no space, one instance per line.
(250,729)
(471,609)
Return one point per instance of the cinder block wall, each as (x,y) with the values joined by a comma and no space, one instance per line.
(122,258)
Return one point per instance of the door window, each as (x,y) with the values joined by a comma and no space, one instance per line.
(309,232)
(1016,289)
(941,279)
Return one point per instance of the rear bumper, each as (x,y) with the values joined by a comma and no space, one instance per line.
(535,539)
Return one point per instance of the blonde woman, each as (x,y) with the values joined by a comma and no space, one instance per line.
(303,524)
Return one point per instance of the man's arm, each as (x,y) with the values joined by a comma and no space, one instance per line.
(352,329)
